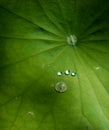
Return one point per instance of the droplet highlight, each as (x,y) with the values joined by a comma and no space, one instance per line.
(61,87)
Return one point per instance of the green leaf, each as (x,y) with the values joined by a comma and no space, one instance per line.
(38,39)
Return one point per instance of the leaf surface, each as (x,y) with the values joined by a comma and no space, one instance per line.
(34,47)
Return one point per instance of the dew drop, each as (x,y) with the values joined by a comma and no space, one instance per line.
(30,113)
(97,67)
(67,72)
(60,87)
(59,73)
(72,40)
(73,74)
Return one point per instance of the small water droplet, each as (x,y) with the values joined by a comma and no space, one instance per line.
(67,72)
(30,113)
(72,40)
(59,73)
(97,67)
(73,74)
(60,87)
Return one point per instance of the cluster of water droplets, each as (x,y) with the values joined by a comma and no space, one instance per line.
(61,86)
(66,72)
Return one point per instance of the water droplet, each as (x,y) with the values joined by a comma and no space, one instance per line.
(72,40)
(97,67)
(60,87)
(67,72)
(73,74)
(30,113)
(59,73)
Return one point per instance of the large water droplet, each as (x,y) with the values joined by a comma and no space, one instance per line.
(60,87)
(67,72)
(72,40)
